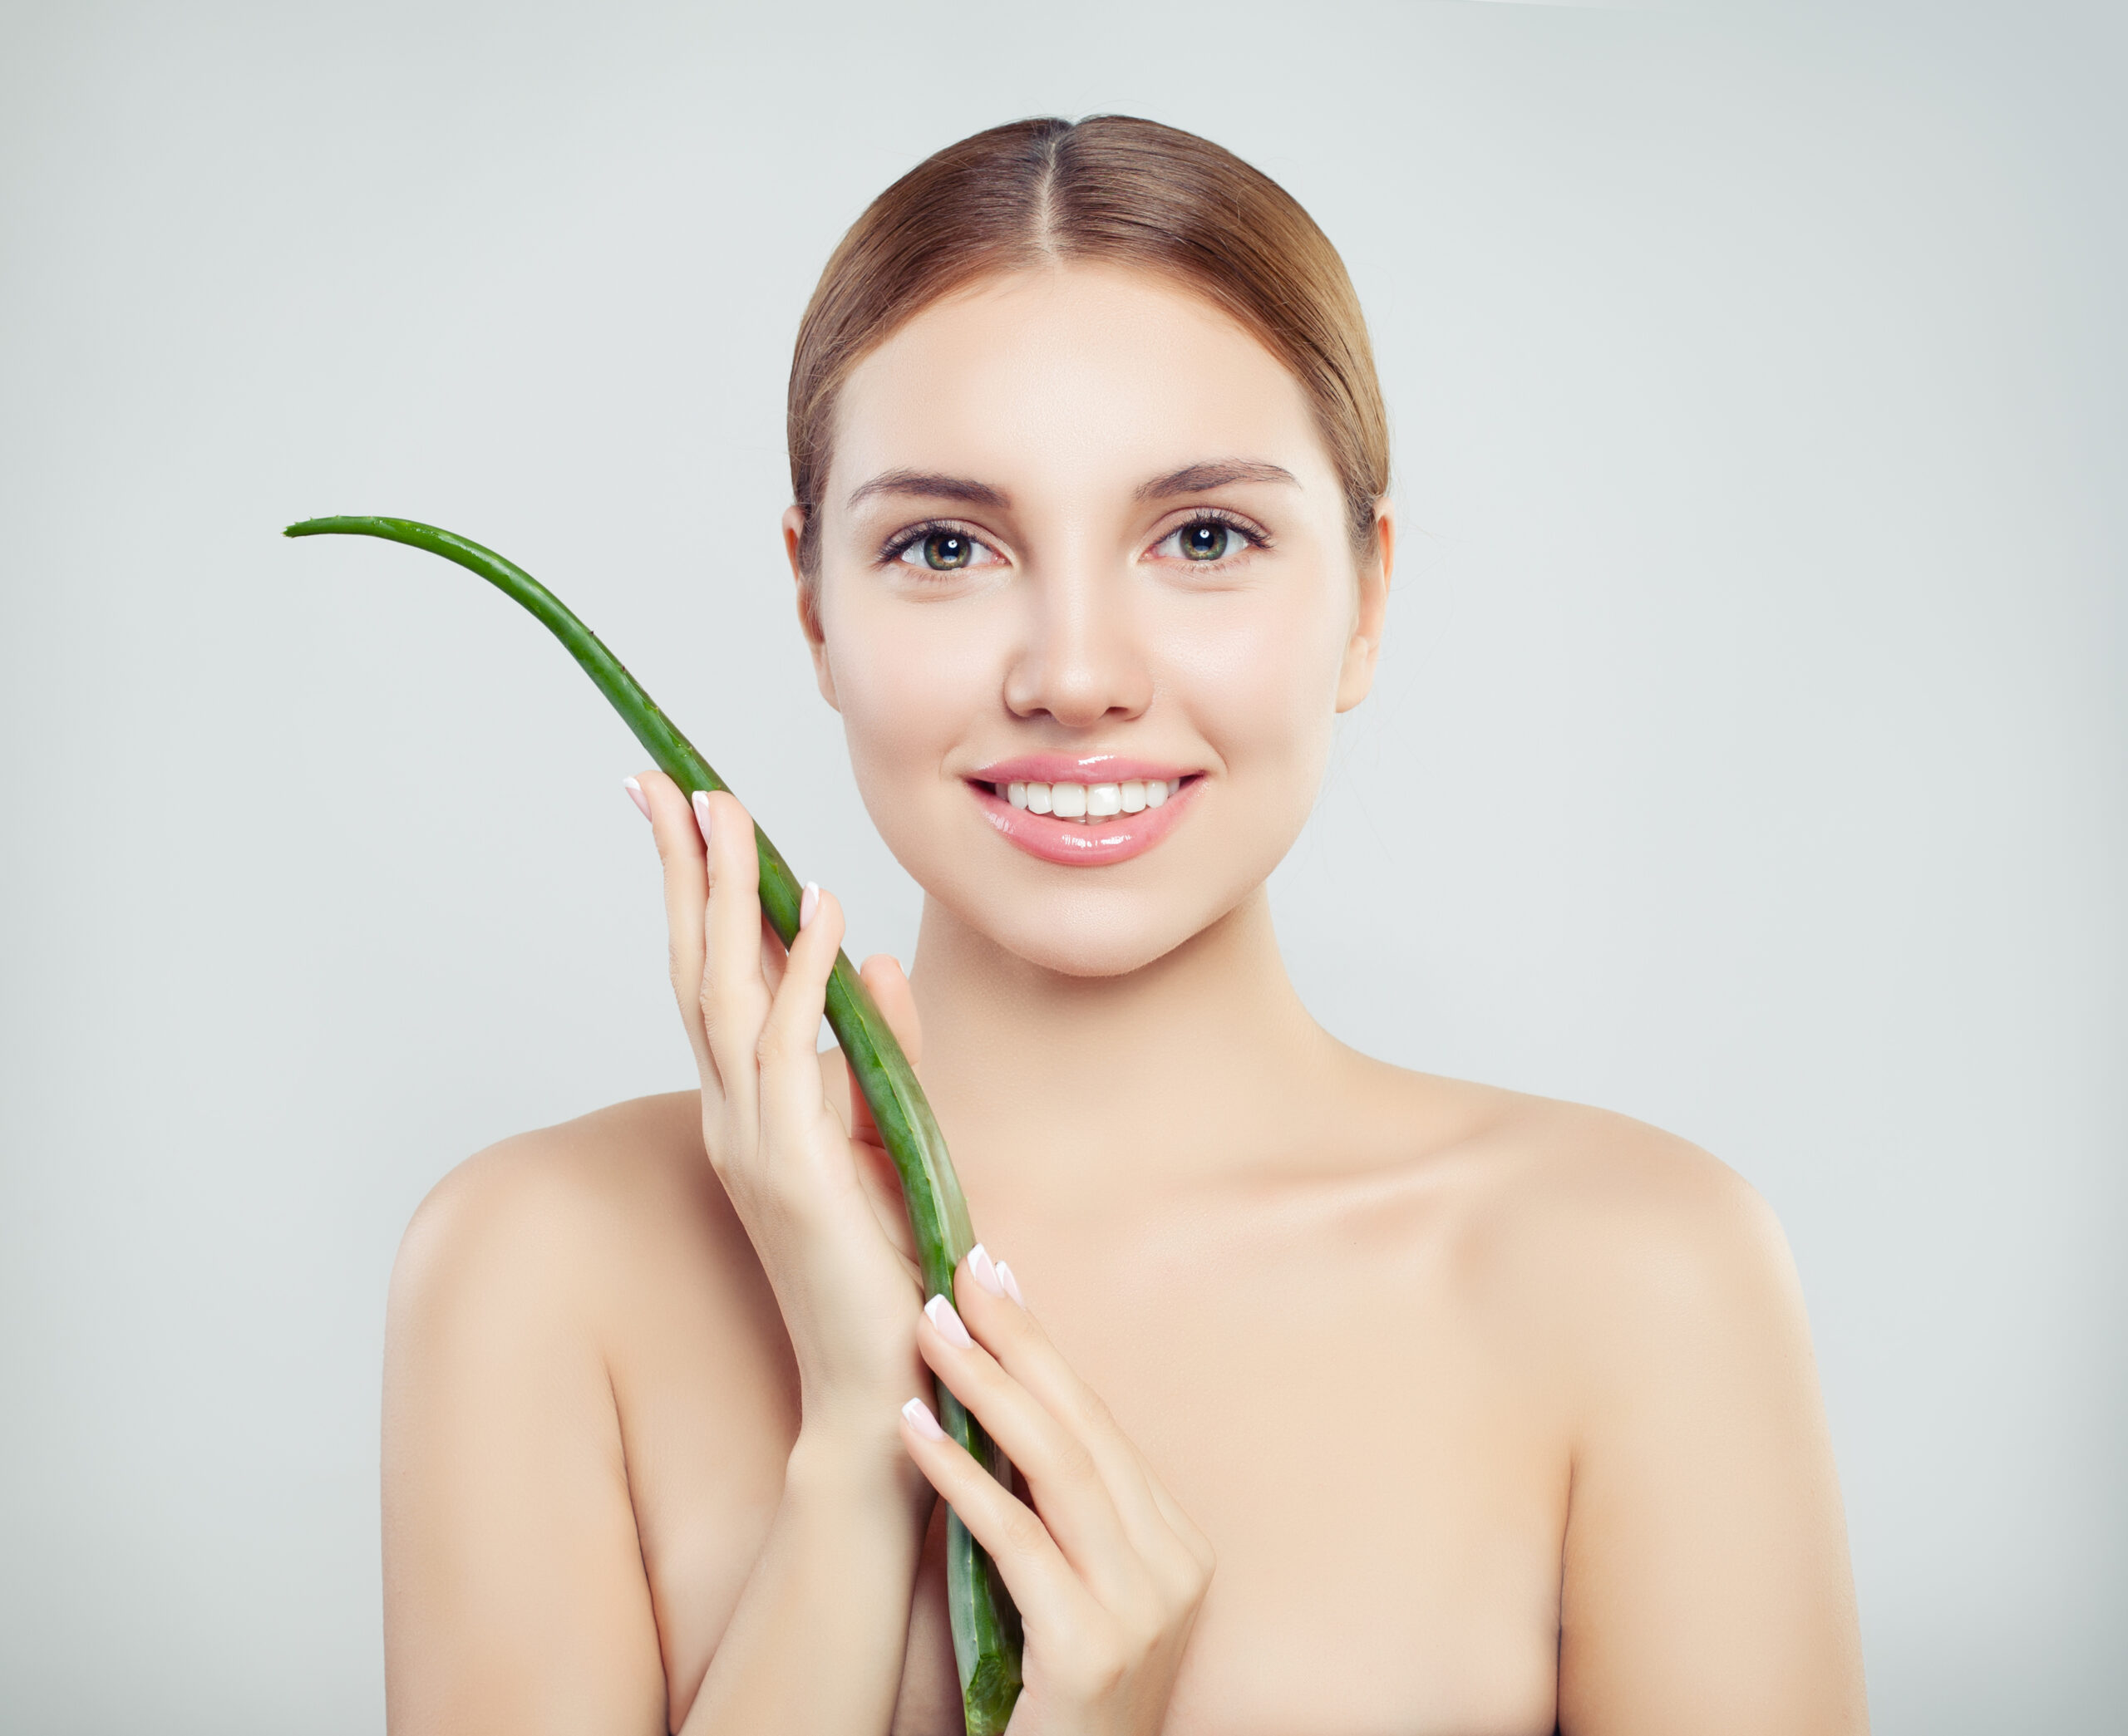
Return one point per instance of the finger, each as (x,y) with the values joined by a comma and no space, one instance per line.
(680,854)
(1185,1529)
(734,995)
(789,1062)
(772,954)
(1024,1351)
(1047,1593)
(883,974)
(1069,1491)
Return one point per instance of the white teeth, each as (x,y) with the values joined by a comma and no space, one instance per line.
(1090,801)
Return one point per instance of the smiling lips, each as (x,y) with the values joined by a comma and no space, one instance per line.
(1082,812)
(1090,801)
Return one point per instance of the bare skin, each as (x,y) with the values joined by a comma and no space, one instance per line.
(1347,1398)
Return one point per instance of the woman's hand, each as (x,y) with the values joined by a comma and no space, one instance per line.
(823,1206)
(1108,1572)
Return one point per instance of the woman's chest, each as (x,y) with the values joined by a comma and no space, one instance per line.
(1385,1495)
(1387,1506)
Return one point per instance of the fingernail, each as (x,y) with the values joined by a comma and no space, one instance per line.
(922,1421)
(636,795)
(701,816)
(809,903)
(983,1270)
(1011,1283)
(948,1323)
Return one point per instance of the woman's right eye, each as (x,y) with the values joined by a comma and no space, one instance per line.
(947,550)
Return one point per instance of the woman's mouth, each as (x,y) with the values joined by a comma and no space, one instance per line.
(1089,821)
(1090,801)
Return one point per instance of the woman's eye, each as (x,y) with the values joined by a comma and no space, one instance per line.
(947,551)
(1207,539)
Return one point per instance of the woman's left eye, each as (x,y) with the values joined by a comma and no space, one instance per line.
(946,550)
(1205,540)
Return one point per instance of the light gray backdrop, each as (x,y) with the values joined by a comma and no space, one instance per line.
(1748,754)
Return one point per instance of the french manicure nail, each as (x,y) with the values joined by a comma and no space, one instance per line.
(922,1421)
(981,1269)
(948,1323)
(809,904)
(636,795)
(1011,1283)
(702,815)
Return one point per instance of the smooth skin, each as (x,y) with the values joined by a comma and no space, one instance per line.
(1346,1399)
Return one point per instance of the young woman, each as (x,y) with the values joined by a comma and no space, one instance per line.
(1345,1399)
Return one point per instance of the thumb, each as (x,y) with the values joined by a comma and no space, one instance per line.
(882,973)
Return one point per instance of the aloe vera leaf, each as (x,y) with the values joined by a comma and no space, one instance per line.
(986,1626)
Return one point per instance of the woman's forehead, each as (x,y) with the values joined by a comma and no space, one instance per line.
(1072,375)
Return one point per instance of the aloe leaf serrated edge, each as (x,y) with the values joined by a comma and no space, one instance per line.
(986,1626)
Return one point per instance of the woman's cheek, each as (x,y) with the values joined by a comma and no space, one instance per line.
(1263,691)
(908,684)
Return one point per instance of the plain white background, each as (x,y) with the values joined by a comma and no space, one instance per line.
(1749,754)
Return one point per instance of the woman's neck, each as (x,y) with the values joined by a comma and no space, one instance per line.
(1169,1072)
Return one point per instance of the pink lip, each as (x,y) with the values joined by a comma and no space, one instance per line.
(1076,769)
(1081,844)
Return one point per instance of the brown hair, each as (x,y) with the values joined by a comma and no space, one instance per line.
(1109,188)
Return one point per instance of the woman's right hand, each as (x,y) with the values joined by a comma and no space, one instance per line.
(822,1204)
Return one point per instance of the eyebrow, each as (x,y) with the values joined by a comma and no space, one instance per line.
(1196,479)
(932,485)
(1190,479)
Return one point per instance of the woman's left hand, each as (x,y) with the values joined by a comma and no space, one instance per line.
(1107,1571)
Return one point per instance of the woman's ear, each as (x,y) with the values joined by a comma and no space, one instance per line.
(1365,646)
(809,603)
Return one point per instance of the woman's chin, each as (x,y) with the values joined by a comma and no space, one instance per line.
(1090,957)
(1096,938)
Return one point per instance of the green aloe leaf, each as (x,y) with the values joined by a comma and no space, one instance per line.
(986,1627)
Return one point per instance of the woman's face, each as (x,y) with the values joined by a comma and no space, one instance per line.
(1081,532)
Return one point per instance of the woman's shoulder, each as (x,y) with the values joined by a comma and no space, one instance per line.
(586,1227)
(600,1175)
(1616,1230)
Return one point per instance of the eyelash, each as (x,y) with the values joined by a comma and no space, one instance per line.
(1257,538)
(898,544)
(902,541)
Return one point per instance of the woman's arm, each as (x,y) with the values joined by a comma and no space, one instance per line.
(1706,1579)
(515,1595)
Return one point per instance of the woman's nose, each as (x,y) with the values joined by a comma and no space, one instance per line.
(1081,661)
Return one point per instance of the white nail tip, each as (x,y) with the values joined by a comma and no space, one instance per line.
(948,1322)
(922,1421)
(809,905)
(1011,1283)
(983,1272)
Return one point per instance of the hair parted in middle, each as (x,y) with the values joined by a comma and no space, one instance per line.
(1110,190)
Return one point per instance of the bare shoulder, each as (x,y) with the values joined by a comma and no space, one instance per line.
(566,1306)
(593,1226)
(1608,1234)
(1643,1291)
(559,1193)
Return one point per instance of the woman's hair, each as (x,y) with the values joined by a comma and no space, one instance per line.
(1110,190)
